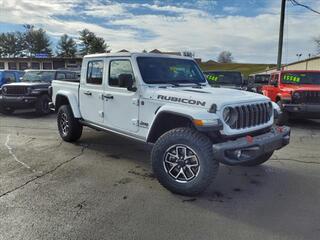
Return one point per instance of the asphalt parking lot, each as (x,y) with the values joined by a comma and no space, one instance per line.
(102,188)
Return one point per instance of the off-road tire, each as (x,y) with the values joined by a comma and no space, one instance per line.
(202,149)
(7,111)
(283,118)
(258,161)
(73,131)
(42,105)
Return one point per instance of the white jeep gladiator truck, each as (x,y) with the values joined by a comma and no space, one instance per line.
(166,101)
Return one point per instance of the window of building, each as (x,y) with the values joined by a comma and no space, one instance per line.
(35,65)
(117,68)
(1,65)
(47,65)
(12,65)
(58,65)
(23,65)
(95,72)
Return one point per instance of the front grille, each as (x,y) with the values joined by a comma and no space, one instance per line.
(15,90)
(252,115)
(308,97)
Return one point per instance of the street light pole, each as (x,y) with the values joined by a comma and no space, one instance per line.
(283,10)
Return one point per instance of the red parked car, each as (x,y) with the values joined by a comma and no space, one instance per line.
(297,92)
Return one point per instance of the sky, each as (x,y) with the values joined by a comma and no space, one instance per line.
(247,28)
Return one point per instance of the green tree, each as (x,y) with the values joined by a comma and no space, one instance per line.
(90,43)
(11,44)
(66,47)
(36,41)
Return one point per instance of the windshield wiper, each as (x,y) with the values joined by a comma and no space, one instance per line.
(194,82)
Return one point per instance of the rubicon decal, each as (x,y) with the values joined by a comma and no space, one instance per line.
(182,100)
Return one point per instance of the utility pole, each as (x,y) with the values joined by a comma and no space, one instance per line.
(283,10)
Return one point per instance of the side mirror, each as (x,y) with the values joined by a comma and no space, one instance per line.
(126,81)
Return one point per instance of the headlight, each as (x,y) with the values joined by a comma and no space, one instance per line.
(230,115)
(296,95)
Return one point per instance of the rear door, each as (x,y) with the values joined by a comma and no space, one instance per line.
(91,91)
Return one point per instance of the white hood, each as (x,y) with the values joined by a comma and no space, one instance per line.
(205,96)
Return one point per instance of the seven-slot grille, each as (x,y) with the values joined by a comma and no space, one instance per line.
(15,90)
(252,115)
(312,97)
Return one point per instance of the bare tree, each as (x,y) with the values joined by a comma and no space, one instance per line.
(225,57)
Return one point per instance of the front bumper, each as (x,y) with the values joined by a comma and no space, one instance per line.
(303,110)
(251,147)
(18,102)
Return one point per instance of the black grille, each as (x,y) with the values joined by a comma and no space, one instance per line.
(252,115)
(15,90)
(309,97)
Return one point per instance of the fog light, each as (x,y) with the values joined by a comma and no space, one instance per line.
(238,153)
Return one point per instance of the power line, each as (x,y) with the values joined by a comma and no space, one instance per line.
(295,3)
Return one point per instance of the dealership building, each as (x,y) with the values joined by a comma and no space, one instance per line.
(48,63)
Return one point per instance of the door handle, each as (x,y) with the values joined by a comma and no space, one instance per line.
(87,93)
(108,96)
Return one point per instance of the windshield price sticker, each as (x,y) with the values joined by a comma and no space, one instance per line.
(213,78)
(291,78)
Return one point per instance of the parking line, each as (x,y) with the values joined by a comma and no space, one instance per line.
(13,155)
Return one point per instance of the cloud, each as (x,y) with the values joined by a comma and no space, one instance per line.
(173,25)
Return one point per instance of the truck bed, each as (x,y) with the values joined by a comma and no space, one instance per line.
(70,86)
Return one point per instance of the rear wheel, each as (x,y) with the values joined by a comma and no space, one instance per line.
(42,105)
(258,161)
(182,160)
(69,127)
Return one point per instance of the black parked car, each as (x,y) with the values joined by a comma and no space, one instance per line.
(256,81)
(32,91)
(226,79)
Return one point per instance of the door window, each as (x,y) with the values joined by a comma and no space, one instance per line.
(9,77)
(117,68)
(95,72)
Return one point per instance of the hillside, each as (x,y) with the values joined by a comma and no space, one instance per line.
(244,68)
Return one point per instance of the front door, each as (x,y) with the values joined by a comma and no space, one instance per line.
(121,106)
(91,91)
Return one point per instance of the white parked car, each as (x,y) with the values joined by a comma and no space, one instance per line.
(166,101)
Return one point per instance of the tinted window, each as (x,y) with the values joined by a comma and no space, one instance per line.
(233,78)
(9,77)
(301,78)
(169,70)
(23,65)
(1,65)
(118,67)
(61,76)
(263,78)
(39,76)
(95,72)
(70,75)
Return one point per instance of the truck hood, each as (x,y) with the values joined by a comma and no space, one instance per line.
(203,97)
(28,84)
(304,87)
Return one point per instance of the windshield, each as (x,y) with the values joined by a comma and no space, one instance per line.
(169,70)
(301,78)
(39,76)
(263,78)
(227,78)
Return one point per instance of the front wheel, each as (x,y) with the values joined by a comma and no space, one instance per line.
(69,127)
(6,110)
(182,161)
(258,161)
(42,105)
(283,117)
